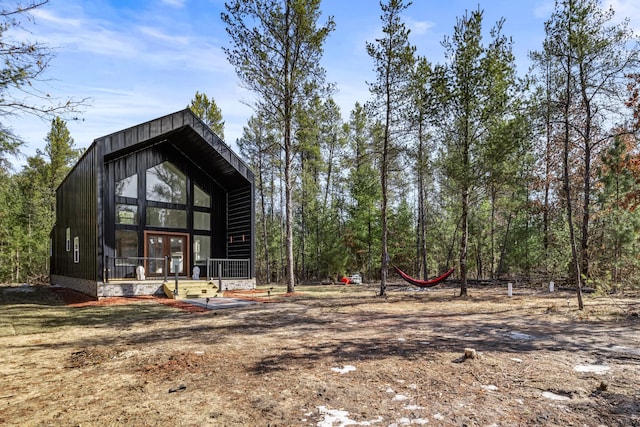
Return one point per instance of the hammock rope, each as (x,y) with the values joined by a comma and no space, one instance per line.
(423,283)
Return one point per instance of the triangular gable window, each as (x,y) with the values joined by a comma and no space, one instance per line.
(201,198)
(165,183)
(128,187)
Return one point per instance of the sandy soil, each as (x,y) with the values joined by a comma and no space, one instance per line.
(327,356)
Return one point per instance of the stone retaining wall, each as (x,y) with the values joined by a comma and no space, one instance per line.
(88,287)
(135,288)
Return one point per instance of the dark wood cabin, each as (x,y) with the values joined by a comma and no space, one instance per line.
(151,203)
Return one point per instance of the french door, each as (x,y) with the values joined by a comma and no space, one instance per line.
(173,246)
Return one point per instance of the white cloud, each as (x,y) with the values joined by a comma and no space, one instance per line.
(81,34)
(50,17)
(626,9)
(159,35)
(174,3)
(419,27)
(544,9)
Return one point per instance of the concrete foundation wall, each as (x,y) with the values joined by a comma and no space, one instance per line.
(236,284)
(88,287)
(135,288)
(129,289)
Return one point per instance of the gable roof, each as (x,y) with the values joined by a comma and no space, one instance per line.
(188,134)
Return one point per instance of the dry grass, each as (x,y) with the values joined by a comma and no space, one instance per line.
(327,355)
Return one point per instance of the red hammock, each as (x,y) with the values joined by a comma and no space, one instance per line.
(422,283)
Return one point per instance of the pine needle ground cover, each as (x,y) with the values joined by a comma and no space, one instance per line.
(324,356)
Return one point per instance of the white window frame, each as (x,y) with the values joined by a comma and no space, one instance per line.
(76,249)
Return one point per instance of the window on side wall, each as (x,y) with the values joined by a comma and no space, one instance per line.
(76,249)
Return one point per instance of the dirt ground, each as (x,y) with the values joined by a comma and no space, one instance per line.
(326,356)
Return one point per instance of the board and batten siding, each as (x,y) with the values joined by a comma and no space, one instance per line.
(77,205)
(86,201)
(240,228)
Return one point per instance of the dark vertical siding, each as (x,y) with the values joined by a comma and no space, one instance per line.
(253,225)
(77,209)
(219,231)
(101,186)
(240,223)
(85,200)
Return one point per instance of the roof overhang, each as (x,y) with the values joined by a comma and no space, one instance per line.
(187,134)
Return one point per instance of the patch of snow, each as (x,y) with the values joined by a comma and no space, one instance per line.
(520,336)
(424,342)
(489,387)
(596,369)
(420,421)
(338,418)
(390,390)
(402,339)
(553,396)
(520,401)
(438,416)
(400,397)
(334,416)
(344,369)
(413,407)
(377,420)
(515,359)
(413,386)
(198,352)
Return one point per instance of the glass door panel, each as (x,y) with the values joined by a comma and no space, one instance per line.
(173,247)
(155,251)
(177,255)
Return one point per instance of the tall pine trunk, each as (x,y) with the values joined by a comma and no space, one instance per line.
(464,241)
(566,181)
(265,228)
(422,226)
(383,182)
(586,208)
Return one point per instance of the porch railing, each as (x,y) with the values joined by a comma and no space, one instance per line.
(126,267)
(221,268)
(216,268)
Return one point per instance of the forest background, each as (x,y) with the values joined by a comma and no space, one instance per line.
(461,163)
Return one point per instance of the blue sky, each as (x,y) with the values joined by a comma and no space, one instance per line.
(138,60)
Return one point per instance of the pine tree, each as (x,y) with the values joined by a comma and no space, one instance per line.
(209,112)
(276,48)
(393,58)
(476,97)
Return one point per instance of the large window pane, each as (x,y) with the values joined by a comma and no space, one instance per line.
(126,214)
(168,218)
(128,187)
(201,198)
(177,255)
(165,183)
(126,243)
(201,221)
(201,249)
